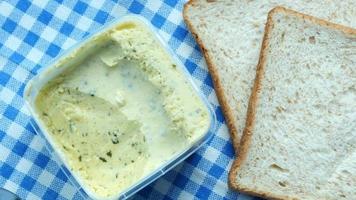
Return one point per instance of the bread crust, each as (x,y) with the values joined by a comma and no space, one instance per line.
(216,81)
(253,101)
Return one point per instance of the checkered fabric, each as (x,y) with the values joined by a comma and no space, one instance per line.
(34,32)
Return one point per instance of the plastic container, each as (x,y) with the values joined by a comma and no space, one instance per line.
(51,71)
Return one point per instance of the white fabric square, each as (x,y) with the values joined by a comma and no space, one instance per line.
(211,154)
(34,55)
(37,143)
(39,3)
(27,21)
(68,43)
(175,16)
(11,186)
(97,4)
(165,36)
(6,95)
(49,34)
(154,5)
(20,74)
(15,130)
(68,191)
(184,50)
(223,132)
(24,165)
(185,195)
(118,11)
(62,12)
(13,42)
(84,23)
(5,8)
(45,178)
(4,152)
(32,196)
(162,186)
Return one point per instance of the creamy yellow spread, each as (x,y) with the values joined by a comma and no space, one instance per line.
(121,112)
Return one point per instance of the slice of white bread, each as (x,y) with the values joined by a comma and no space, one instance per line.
(300,137)
(230,34)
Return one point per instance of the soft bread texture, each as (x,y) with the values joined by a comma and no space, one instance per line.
(230,34)
(300,136)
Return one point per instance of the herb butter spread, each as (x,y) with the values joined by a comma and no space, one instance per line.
(121,112)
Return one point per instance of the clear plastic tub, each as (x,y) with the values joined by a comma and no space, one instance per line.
(51,71)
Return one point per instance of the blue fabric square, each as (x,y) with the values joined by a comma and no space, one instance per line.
(31,38)
(158,20)
(83,194)
(228,150)
(66,29)
(65,170)
(136,7)
(101,17)
(21,90)
(190,66)
(180,181)
(80,7)
(45,17)
(29,128)
(146,191)
(203,193)
(2,135)
(208,81)
(60,174)
(171,2)
(16,58)
(41,160)
(35,69)
(23,5)
(28,183)
(19,148)
(196,47)
(167,198)
(6,170)
(216,171)
(53,50)
(180,33)
(219,114)
(50,194)
(9,26)
(4,78)
(194,159)
(11,112)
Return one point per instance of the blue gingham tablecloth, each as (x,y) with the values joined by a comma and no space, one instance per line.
(32,33)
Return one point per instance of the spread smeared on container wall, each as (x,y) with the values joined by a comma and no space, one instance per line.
(122,112)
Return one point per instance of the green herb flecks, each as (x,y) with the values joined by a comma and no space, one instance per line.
(102,159)
(115,141)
